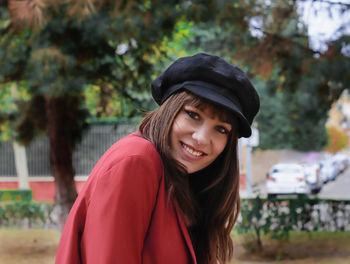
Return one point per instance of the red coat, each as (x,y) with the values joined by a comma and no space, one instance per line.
(123,214)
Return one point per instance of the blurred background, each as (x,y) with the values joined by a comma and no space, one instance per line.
(75,77)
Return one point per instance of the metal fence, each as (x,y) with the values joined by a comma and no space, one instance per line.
(7,159)
(94,143)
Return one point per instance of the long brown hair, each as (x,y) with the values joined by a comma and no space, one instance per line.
(211,212)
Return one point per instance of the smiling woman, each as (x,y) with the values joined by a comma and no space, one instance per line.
(198,137)
(169,192)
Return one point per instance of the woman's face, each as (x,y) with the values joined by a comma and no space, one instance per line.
(198,137)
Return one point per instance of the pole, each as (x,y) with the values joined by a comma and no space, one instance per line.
(249,171)
(21,165)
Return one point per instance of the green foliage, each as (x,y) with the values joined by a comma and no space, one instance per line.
(10,95)
(289,120)
(74,53)
(297,85)
(15,195)
(13,55)
(177,45)
(31,121)
(110,106)
(25,213)
(71,49)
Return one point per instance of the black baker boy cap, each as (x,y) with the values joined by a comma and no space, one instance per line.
(212,78)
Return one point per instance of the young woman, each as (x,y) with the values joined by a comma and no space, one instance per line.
(170,192)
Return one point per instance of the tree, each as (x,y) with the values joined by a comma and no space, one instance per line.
(296,82)
(57,47)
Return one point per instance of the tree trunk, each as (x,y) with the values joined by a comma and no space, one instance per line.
(58,112)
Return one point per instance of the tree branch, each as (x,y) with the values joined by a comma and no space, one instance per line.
(275,35)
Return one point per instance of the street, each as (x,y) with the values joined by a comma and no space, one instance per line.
(338,189)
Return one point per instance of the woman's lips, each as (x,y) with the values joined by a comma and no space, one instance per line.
(190,150)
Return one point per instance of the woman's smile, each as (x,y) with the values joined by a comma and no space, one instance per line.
(198,137)
(192,151)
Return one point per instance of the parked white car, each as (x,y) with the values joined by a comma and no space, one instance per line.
(313,177)
(329,170)
(342,161)
(332,165)
(287,178)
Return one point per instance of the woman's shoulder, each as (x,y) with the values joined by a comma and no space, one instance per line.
(133,145)
(132,152)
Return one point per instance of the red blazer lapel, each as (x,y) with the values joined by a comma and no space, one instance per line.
(185,234)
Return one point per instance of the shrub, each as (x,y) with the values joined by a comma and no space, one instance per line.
(25,214)
(277,217)
(15,195)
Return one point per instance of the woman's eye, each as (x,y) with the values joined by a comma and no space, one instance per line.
(193,115)
(222,130)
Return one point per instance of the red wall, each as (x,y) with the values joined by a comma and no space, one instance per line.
(44,191)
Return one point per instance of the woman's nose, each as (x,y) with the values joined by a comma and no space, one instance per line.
(201,136)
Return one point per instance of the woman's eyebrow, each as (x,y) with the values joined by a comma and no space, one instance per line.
(227,124)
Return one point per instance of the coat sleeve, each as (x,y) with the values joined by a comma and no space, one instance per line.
(119,211)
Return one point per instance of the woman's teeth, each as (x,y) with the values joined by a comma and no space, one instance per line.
(193,152)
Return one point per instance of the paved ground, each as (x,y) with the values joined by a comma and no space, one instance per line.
(338,189)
